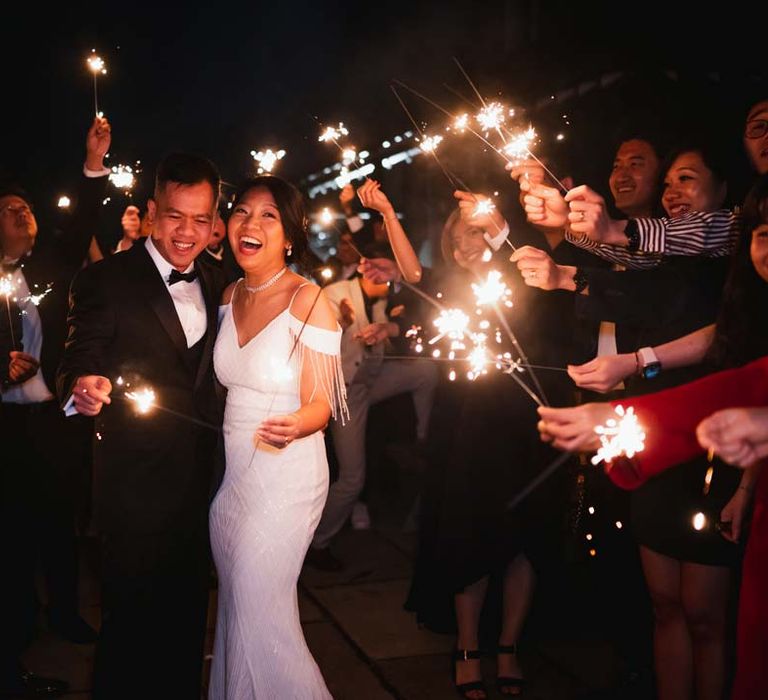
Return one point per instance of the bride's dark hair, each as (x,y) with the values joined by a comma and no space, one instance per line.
(290,203)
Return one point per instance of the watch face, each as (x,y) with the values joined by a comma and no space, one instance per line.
(651,371)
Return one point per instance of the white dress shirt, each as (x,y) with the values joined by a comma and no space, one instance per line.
(34,390)
(187,297)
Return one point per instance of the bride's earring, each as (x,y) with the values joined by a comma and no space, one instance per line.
(289,251)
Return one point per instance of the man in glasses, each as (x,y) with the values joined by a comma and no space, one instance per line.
(756,136)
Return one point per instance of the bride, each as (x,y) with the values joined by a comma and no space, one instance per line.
(277,353)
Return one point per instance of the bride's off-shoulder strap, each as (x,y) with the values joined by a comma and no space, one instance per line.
(321,350)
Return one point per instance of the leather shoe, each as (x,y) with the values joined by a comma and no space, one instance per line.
(72,628)
(322,559)
(29,685)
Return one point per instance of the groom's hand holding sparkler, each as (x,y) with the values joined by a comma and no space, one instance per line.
(375,333)
(21,367)
(97,144)
(90,393)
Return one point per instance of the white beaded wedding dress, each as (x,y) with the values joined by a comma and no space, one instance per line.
(267,508)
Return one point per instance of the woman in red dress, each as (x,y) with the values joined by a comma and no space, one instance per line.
(671,417)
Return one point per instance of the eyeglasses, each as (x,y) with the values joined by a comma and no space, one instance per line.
(756,128)
(13,210)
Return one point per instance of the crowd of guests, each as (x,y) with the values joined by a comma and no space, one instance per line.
(672,291)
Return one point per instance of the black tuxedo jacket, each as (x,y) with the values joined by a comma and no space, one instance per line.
(55,262)
(152,472)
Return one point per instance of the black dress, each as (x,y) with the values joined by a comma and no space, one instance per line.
(483,449)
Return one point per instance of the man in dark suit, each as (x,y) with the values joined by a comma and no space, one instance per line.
(41,451)
(148,318)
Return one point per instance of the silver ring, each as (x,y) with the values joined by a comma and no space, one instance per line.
(285,440)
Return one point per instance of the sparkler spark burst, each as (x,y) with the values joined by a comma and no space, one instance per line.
(122,177)
(518,148)
(326,216)
(492,291)
(623,437)
(699,521)
(143,399)
(348,156)
(37,298)
(478,357)
(333,134)
(452,323)
(267,159)
(7,286)
(96,65)
(64,202)
(430,143)
(326,273)
(491,117)
(461,123)
(484,206)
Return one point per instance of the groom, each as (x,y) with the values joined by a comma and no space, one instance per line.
(147,317)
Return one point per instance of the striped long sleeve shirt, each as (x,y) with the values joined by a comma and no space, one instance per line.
(711,234)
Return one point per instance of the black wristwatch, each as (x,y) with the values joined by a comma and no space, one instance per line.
(580,280)
(632,232)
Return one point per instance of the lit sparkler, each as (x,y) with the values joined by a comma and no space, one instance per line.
(492,291)
(461,123)
(7,286)
(491,116)
(333,134)
(623,437)
(97,67)
(430,143)
(326,273)
(483,207)
(144,399)
(37,298)
(518,148)
(326,216)
(452,323)
(267,159)
(122,177)
(64,202)
(348,156)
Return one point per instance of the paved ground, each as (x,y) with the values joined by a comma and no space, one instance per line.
(367,646)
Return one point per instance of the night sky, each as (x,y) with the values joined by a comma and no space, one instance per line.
(223,78)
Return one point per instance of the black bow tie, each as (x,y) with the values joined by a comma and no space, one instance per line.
(177,276)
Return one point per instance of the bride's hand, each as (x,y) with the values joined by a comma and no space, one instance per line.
(280,431)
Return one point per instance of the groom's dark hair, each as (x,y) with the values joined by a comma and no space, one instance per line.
(187,169)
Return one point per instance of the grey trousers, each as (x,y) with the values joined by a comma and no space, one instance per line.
(370,387)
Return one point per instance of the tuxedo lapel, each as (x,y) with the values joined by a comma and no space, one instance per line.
(211,297)
(158,297)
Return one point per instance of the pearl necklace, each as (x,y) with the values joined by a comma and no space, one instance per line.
(268,283)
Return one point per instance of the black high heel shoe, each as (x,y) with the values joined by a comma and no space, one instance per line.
(506,683)
(464,688)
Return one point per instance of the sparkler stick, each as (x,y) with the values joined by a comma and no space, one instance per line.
(6,289)
(520,496)
(466,126)
(490,361)
(145,400)
(452,179)
(469,80)
(96,66)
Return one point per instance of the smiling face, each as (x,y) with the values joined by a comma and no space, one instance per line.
(468,245)
(756,136)
(633,178)
(183,217)
(256,233)
(690,185)
(758,250)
